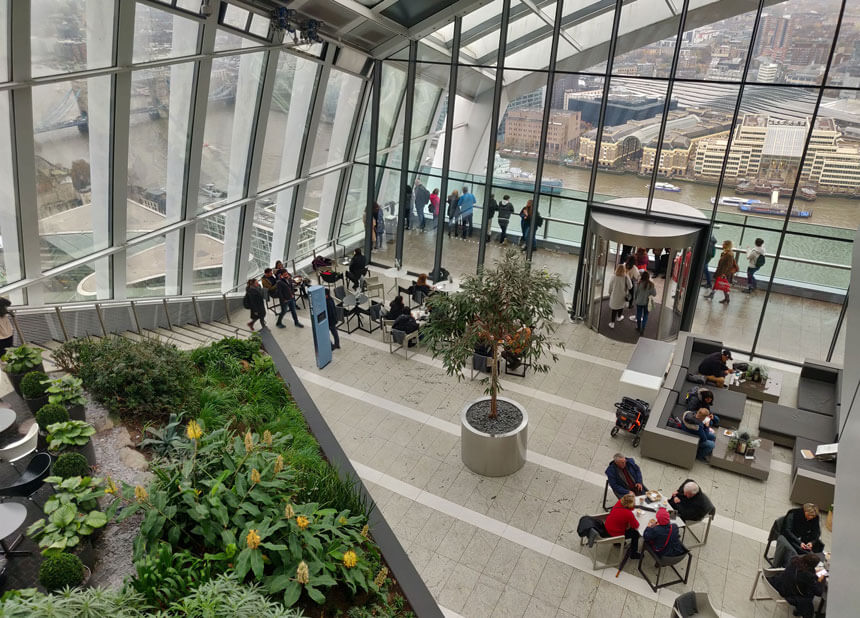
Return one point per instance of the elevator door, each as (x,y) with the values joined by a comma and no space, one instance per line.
(595,268)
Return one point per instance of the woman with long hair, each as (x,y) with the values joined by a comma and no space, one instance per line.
(644,291)
(619,286)
(799,584)
(726,267)
(633,275)
(453,213)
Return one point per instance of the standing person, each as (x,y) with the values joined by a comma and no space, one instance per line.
(622,521)
(799,584)
(6,331)
(434,207)
(525,224)
(285,293)
(422,198)
(642,258)
(407,208)
(492,209)
(466,204)
(642,299)
(633,275)
(755,259)
(268,280)
(331,310)
(356,268)
(506,209)
(712,251)
(453,213)
(619,286)
(379,218)
(726,267)
(255,302)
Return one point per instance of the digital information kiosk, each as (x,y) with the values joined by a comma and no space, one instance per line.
(319,321)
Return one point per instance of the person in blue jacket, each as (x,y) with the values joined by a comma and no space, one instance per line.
(624,476)
(466,205)
(662,536)
(696,422)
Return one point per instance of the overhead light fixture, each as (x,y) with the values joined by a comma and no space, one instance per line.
(303,31)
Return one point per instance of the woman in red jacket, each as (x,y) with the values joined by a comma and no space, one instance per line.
(621,521)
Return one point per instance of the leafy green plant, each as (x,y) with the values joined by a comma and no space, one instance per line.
(164,576)
(139,380)
(67,391)
(51,414)
(228,348)
(71,464)
(507,309)
(225,597)
(72,603)
(34,385)
(166,439)
(69,433)
(71,513)
(22,359)
(60,570)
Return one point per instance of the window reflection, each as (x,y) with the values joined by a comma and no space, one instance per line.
(70,35)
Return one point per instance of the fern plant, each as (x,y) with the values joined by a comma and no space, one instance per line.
(164,577)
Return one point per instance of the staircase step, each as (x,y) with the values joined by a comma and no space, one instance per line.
(211,334)
(194,336)
(168,336)
(241,328)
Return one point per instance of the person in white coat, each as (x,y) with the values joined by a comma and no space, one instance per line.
(755,257)
(619,286)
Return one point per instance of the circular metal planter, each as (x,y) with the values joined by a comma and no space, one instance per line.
(493,455)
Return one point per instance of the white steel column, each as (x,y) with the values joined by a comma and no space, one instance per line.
(195,146)
(121,120)
(23,149)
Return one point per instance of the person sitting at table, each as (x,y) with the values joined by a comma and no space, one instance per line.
(396,308)
(407,324)
(714,367)
(802,529)
(421,285)
(689,501)
(699,398)
(662,535)
(696,422)
(625,476)
(799,584)
(622,521)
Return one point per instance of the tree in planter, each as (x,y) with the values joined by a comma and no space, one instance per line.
(60,570)
(51,414)
(34,386)
(506,308)
(71,464)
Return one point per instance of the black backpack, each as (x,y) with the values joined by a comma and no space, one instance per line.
(759,262)
(246,301)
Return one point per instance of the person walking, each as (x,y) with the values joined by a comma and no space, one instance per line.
(7,333)
(492,209)
(331,310)
(466,205)
(284,292)
(453,213)
(642,299)
(619,286)
(506,209)
(255,301)
(712,251)
(525,224)
(407,209)
(755,259)
(434,207)
(726,268)
(633,275)
(422,198)
(379,218)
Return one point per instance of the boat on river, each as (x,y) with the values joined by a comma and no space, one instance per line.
(518,179)
(758,207)
(666,186)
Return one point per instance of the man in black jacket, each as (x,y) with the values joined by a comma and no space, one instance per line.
(803,530)
(506,209)
(284,292)
(356,268)
(689,501)
(714,366)
(492,209)
(422,198)
(255,301)
(331,310)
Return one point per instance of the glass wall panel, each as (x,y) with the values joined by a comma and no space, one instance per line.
(71,35)
(4,40)
(209,252)
(152,267)
(479,36)
(87,282)
(580,97)
(793,42)
(72,143)
(717,50)
(645,51)
(632,122)
(10,248)
(295,81)
(471,115)
(388,198)
(589,29)
(158,146)
(529,37)
(337,119)
(518,134)
(845,70)
(352,221)
(230,118)
(159,34)
(391,104)
(318,210)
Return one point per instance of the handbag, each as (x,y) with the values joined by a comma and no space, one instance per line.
(650,304)
(722,284)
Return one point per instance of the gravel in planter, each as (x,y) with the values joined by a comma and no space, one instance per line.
(509,417)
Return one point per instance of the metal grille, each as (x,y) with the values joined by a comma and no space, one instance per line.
(181,312)
(119,318)
(81,322)
(210,309)
(38,327)
(151,315)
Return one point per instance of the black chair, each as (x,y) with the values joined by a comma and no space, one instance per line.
(710,512)
(606,493)
(350,311)
(405,293)
(340,293)
(31,479)
(775,531)
(374,317)
(661,562)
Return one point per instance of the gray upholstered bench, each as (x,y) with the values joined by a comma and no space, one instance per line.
(664,443)
(783,425)
(818,389)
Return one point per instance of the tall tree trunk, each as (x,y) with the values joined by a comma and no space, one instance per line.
(494,378)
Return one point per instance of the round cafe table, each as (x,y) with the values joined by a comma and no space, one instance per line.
(7,419)
(12,516)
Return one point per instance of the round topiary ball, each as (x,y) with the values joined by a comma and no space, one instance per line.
(71,464)
(51,413)
(60,570)
(31,385)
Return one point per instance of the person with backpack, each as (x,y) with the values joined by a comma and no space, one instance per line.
(422,198)
(506,209)
(492,209)
(466,203)
(755,257)
(255,302)
(453,213)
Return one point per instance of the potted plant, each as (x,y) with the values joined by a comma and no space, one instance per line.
(756,372)
(73,436)
(508,310)
(49,414)
(68,465)
(68,391)
(60,570)
(20,361)
(34,391)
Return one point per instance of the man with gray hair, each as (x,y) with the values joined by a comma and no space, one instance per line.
(689,501)
(624,476)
